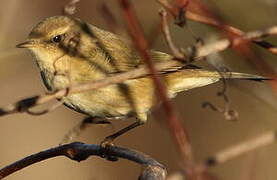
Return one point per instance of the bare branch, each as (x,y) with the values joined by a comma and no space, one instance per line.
(226,43)
(242,148)
(213,22)
(78,151)
(165,29)
(51,108)
(176,127)
(109,18)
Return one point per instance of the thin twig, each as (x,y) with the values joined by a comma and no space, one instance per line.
(209,21)
(232,33)
(226,43)
(165,29)
(79,151)
(242,148)
(228,113)
(230,29)
(176,127)
(44,111)
(109,18)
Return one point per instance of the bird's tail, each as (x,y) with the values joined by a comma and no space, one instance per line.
(192,78)
(236,75)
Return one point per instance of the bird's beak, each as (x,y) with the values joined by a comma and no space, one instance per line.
(26,44)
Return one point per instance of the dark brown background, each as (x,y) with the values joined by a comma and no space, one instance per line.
(22,135)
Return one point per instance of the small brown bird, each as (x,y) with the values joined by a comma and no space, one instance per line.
(69,51)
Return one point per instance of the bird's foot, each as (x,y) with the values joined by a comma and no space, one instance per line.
(107,142)
(105,145)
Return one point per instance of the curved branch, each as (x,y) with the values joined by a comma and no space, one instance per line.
(78,151)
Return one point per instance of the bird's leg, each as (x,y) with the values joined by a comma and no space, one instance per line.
(107,142)
(109,139)
(76,130)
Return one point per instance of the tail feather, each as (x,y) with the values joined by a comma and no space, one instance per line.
(236,75)
(192,78)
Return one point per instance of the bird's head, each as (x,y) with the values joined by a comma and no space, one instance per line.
(54,37)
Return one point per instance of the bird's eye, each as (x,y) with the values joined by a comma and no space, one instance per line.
(57,39)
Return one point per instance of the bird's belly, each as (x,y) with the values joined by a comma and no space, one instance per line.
(104,103)
(130,98)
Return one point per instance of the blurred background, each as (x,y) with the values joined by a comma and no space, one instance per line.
(22,135)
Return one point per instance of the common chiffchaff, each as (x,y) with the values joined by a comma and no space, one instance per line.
(69,51)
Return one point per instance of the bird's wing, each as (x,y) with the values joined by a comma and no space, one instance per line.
(113,51)
(159,57)
(122,56)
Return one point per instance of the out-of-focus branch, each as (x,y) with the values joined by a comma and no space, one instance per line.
(70,8)
(110,20)
(182,3)
(176,127)
(229,29)
(242,148)
(79,151)
(210,21)
(225,43)
(176,52)
(25,104)
(199,12)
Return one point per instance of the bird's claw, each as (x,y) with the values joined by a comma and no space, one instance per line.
(107,142)
(105,145)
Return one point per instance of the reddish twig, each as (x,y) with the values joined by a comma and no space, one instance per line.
(111,22)
(200,13)
(211,20)
(182,3)
(141,44)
